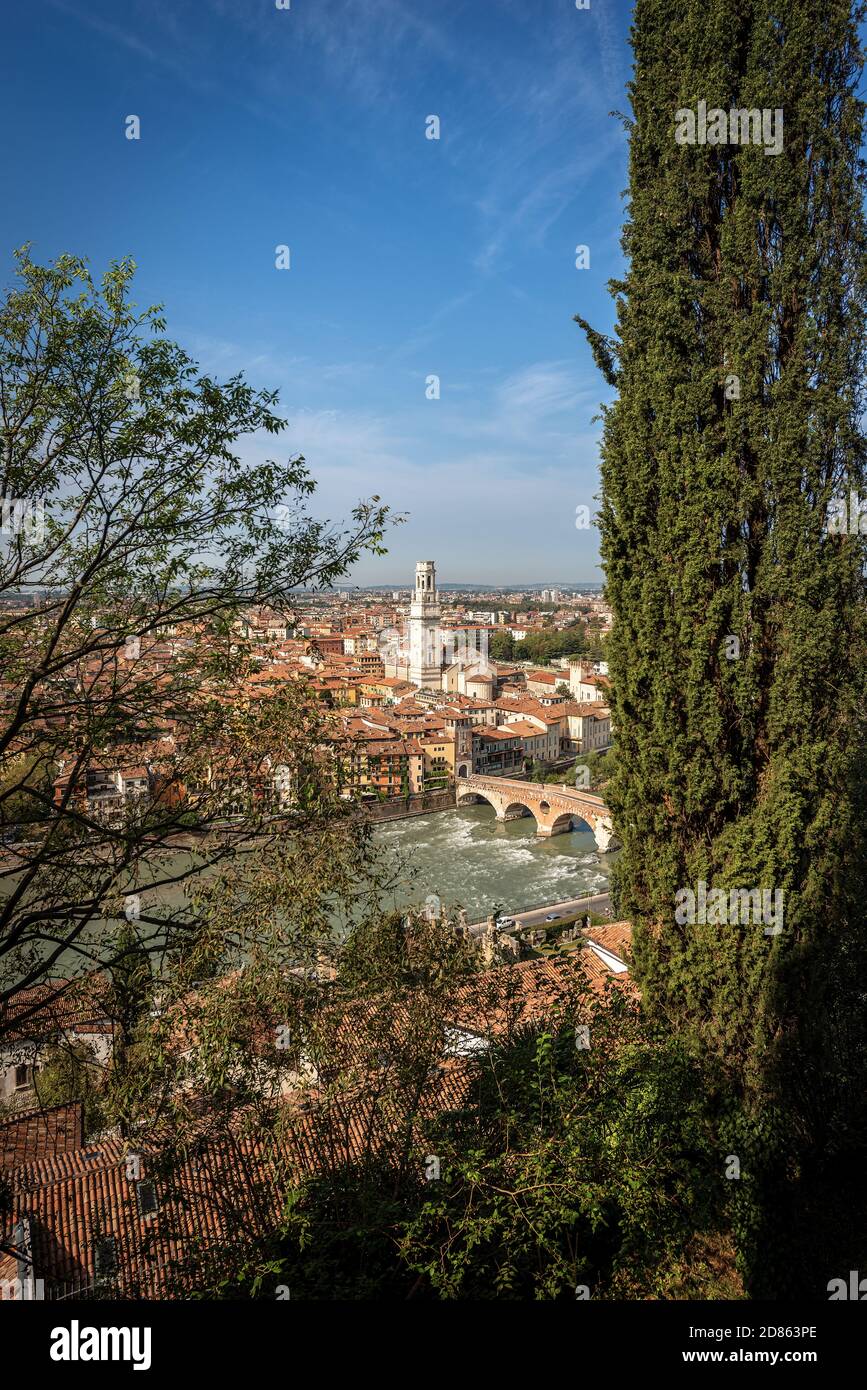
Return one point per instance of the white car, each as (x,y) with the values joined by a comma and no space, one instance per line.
(503,923)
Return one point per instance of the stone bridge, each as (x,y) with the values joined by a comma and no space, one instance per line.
(553,807)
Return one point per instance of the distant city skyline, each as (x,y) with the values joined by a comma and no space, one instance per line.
(411,258)
(503,587)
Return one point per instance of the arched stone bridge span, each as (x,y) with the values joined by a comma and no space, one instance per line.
(553,807)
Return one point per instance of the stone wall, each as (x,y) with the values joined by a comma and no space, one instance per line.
(401,807)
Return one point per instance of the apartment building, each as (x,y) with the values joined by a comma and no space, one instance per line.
(382,768)
(589,726)
(496,752)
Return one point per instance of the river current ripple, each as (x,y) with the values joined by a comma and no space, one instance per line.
(467,857)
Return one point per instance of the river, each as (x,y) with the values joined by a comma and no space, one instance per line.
(467,857)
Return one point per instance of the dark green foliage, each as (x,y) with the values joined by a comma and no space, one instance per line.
(69,1072)
(745,770)
(566,1166)
(502,646)
(590,1167)
(603,349)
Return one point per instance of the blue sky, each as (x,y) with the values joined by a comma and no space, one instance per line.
(409,257)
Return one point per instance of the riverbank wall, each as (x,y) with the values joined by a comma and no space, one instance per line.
(397,809)
(402,807)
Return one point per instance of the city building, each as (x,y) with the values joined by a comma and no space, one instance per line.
(425,659)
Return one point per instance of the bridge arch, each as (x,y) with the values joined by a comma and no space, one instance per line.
(555,809)
(471,798)
(503,807)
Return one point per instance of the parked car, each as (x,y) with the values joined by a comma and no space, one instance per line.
(504,923)
(553,917)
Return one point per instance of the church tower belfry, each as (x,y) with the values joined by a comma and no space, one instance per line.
(425,642)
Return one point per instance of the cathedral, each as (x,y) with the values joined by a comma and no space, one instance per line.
(425,633)
(453,659)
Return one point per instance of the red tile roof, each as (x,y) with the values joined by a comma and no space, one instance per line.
(527,992)
(79,1005)
(613,936)
(32,1135)
(228,1187)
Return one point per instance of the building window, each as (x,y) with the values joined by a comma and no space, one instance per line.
(147,1198)
(105,1257)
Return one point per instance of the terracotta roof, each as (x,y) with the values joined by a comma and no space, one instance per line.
(613,936)
(79,1005)
(75,1199)
(527,992)
(524,729)
(528,704)
(32,1135)
(229,1187)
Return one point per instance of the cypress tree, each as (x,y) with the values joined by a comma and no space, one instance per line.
(737,652)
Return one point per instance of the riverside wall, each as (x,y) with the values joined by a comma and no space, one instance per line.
(403,806)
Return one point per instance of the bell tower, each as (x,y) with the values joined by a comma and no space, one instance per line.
(425,655)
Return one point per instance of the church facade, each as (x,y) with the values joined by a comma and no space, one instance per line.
(453,660)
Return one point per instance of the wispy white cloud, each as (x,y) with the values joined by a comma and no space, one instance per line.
(542,407)
(612,54)
(428,331)
(511,461)
(542,389)
(160,55)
